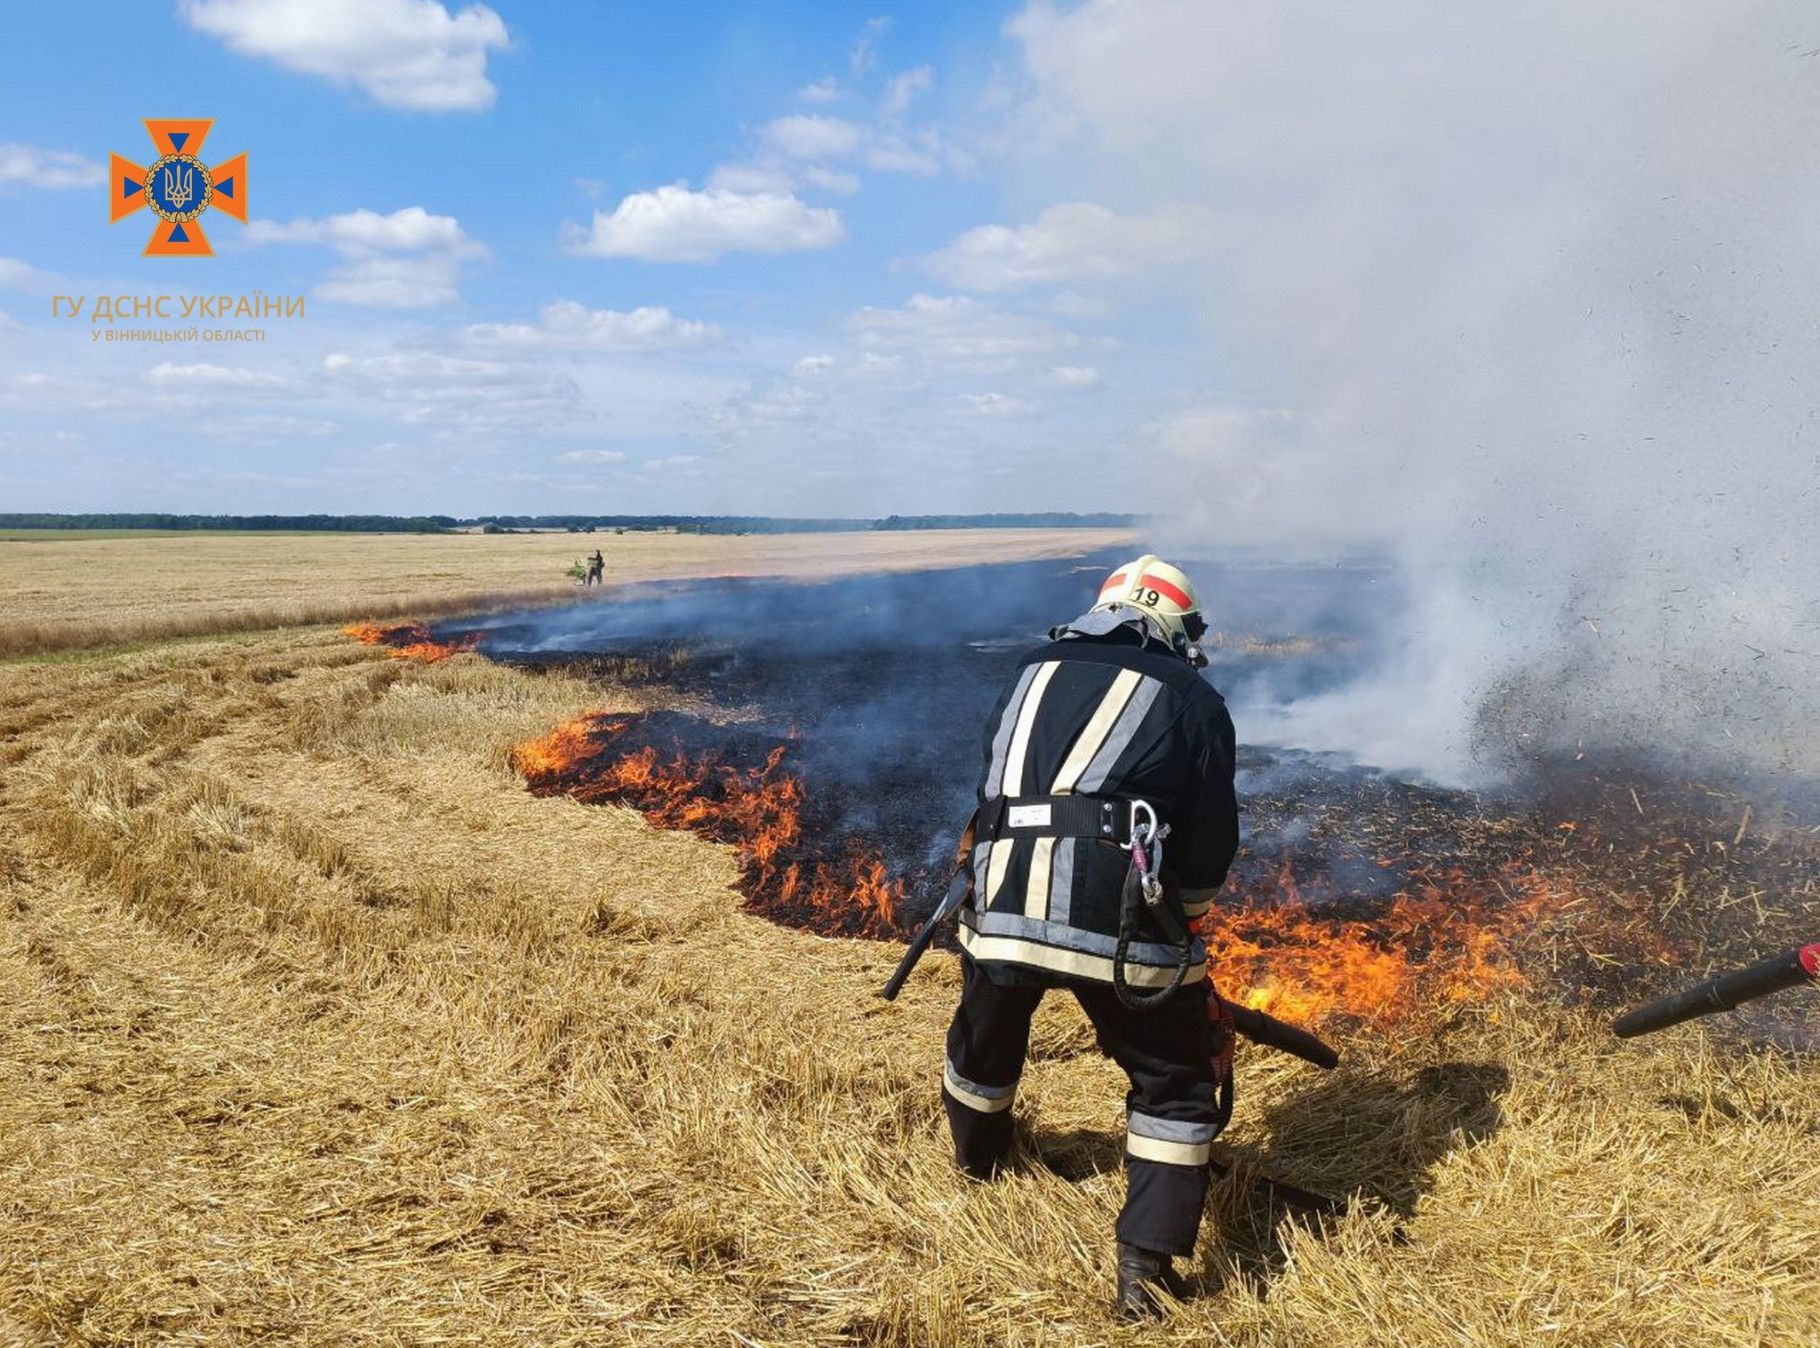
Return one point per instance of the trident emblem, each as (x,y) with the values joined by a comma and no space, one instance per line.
(179,184)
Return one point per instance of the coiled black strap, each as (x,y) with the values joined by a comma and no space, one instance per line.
(1131,907)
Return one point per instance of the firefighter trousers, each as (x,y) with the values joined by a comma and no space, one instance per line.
(1170,1113)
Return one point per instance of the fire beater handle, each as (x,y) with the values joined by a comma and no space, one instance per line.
(1263,1028)
(1724,993)
(957,890)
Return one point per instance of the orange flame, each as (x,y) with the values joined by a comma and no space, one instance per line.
(1447,938)
(1451,939)
(410,641)
(561,751)
(844,888)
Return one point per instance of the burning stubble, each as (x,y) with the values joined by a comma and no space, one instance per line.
(1431,937)
(789,872)
(410,641)
(1445,938)
(832,742)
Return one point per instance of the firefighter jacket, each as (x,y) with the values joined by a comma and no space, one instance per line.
(1089,724)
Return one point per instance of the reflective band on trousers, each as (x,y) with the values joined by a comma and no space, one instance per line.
(1170,1141)
(985,1099)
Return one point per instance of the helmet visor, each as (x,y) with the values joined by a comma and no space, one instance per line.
(1194,625)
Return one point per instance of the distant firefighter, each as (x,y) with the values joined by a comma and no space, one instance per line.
(1106,823)
(597,568)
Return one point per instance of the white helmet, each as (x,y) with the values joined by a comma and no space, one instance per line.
(1159,592)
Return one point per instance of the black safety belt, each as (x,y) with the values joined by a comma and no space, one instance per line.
(1056,817)
(1133,825)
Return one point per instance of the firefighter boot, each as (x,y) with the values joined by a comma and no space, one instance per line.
(1142,1275)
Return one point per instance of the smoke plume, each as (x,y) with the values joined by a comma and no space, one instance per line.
(1526,292)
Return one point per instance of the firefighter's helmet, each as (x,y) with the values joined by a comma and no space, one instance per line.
(1159,592)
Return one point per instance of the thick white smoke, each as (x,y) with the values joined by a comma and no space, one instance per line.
(1532,292)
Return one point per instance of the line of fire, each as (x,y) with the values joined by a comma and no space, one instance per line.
(815,728)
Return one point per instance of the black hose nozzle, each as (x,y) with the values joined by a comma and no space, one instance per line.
(1263,1028)
(1724,993)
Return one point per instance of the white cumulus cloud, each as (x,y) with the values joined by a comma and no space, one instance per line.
(813,144)
(676,224)
(920,152)
(48,168)
(411,54)
(566,323)
(830,180)
(994,405)
(1074,376)
(591,456)
(266,428)
(456,395)
(409,259)
(409,230)
(751,178)
(865,51)
(205,375)
(801,136)
(959,333)
(17,275)
(903,89)
(394,283)
(1071,243)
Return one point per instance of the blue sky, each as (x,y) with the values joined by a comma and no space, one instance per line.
(1470,278)
(703,257)
(1524,291)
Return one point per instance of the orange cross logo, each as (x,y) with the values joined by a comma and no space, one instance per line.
(178,187)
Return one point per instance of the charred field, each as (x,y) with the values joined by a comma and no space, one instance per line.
(334,1014)
(830,732)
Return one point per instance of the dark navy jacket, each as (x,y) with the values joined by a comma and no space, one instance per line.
(1106,716)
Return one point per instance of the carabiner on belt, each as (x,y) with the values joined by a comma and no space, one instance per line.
(1146,848)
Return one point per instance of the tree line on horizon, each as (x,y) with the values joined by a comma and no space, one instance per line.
(442,524)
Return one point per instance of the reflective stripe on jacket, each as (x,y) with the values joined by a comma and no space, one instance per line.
(1102,717)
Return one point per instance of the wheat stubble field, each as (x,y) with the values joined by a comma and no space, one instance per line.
(315,1027)
(83,589)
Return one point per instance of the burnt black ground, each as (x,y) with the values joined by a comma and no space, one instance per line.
(881,685)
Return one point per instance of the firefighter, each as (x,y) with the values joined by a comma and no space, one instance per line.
(1106,823)
(597,568)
